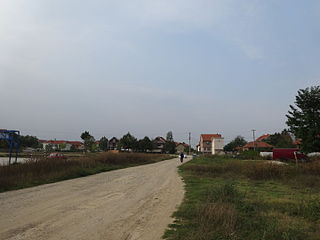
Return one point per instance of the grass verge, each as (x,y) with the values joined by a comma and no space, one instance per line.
(42,170)
(248,200)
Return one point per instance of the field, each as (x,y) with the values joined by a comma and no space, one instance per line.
(40,170)
(248,200)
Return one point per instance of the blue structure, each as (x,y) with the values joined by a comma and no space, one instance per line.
(12,138)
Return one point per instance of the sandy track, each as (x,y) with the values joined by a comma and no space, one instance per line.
(127,204)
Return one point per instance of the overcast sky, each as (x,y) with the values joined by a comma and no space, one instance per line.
(150,66)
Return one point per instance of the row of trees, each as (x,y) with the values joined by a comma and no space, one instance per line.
(25,141)
(127,142)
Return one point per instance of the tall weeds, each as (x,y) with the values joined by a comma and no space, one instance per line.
(259,170)
(41,170)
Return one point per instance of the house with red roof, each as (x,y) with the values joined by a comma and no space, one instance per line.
(62,145)
(158,144)
(263,137)
(211,143)
(259,144)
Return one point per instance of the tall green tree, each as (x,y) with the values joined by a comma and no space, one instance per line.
(145,144)
(304,118)
(170,145)
(103,144)
(128,142)
(239,141)
(169,137)
(89,141)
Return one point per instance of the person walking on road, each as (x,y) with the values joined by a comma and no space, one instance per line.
(181,157)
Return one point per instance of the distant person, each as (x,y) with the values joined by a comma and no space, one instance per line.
(181,157)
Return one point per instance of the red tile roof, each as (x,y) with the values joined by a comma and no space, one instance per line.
(257,145)
(208,137)
(57,142)
(77,143)
(263,137)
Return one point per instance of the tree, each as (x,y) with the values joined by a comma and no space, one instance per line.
(280,140)
(85,135)
(103,144)
(49,148)
(237,142)
(128,142)
(170,145)
(169,136)
(29,141)
(89,141)
(62,146)
(304,118)
(145,144)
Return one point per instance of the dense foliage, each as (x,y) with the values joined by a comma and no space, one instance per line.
(103,144)
(25,141)
(280,140)
(170,146)
(145,145)
(237,142)
(128,142)
(304,118)
(89,141)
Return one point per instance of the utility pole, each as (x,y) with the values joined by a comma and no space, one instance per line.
(189,143)
(254,139)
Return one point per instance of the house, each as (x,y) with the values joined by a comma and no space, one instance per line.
(211,143)
(62,145)
(113,143)
(261,146)
(217,145)
(77,145)
(158,145)
(182,147)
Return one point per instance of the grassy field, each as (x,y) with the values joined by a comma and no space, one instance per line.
(40,170)
(248,200)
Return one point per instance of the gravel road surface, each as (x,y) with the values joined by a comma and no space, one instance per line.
(127,204)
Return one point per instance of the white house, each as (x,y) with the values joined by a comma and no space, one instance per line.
(211,143)
(217,145)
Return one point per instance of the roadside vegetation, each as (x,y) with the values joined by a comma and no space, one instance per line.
(248,200)
(41,170)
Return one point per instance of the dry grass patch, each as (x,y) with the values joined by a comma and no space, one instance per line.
(40,170)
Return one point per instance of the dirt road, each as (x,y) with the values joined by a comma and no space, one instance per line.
(127,204)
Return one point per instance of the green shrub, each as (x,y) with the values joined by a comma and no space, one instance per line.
(249,155)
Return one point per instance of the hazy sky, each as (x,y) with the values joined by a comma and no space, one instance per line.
(150,66)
